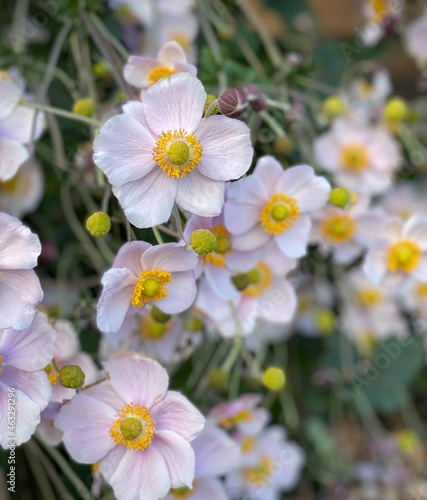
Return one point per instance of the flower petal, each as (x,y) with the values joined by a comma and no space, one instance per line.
(138,68)
(130,256)
(170,257)
(175,103)
(12,156)
(123,150)
(175,413)
(293,242)
(148,202)
(278,304)
(227,151)
(200,195)
(182,293)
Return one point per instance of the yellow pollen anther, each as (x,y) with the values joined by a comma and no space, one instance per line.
(248,444)
(354,158)
(134,428)
(258,475)
(420,291)
(379,10)
(1,359)
(280,213)
(403,257)
(158,73)
(260,279)
(151,285)
(338,228)
(52,373)
(370,296)
(232,421)
(177,153)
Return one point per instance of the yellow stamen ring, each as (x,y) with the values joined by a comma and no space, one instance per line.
(280,213)
(134,428)
(403,257)
(177,153)
(338,229)
(151,285)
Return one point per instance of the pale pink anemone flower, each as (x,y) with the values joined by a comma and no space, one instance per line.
(401,252)
(243,414)
(348,233)
(415,37)
(20,289)
(216,454)
(219,265)
(361,158)
(143,72)
(161,150)
(16,126)
(144,274)
(166,342)
(274,204)
(24,355)
(269,465)
(67,352)
(137,430)
(380,16)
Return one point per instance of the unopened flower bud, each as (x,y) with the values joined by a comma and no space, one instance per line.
(98,224)
(396,109)
(72,377)
(203,241)
(255,97)
(340,197)
(274,378)
(232,103)
(282,145)
(333,107)
(218,379)
(194,324)
(210,99)
(84,107)
(159,316)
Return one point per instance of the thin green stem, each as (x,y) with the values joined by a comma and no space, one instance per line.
(62,112)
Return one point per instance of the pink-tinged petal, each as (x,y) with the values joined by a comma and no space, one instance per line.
(416,230)
(241,217)
(216,453)
(227,151)
(130,256)
(19,247)
(115,299)
(196,222)
(200,195)
(175,103)
(250,190)
(182,293)
(20,292)
(279,263)
(278,304)
(219,279)
(310,191)
(123,150)
(393,229)
(175,413)
(27,417)
(106,394)
(171,257)
(257,421)
(349,131)
(148,201)
(12,156)
(138,380)
(10,96)
(327,152)
(244,261)
(180,67)
(269,171)
(178,456)
(29,349)
(251,240)
(19,125)
(136,111)
(346,253)
(137,69)
(293,242)
(420,273)
(375,265)
(171,52)
(35,385)
(136,475)
(86,424)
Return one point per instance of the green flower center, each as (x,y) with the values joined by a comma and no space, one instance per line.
(130,428)
(151,287)
(178,152)
(223,244)
(279,212)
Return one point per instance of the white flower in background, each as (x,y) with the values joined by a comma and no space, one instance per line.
(415,37)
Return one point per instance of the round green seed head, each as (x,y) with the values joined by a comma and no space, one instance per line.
(274,378)
(396,109)
(84,107)
(203,241)
(72,377)
(98,224)
(340,197)
(159,315)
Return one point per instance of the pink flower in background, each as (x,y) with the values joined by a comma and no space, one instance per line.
(143,72)
(361,158)
(161,150)
(144,274)
(16,126)
(24,355)
(401,252)
(415,36)
(136,429)
(274,204)
(20,289)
